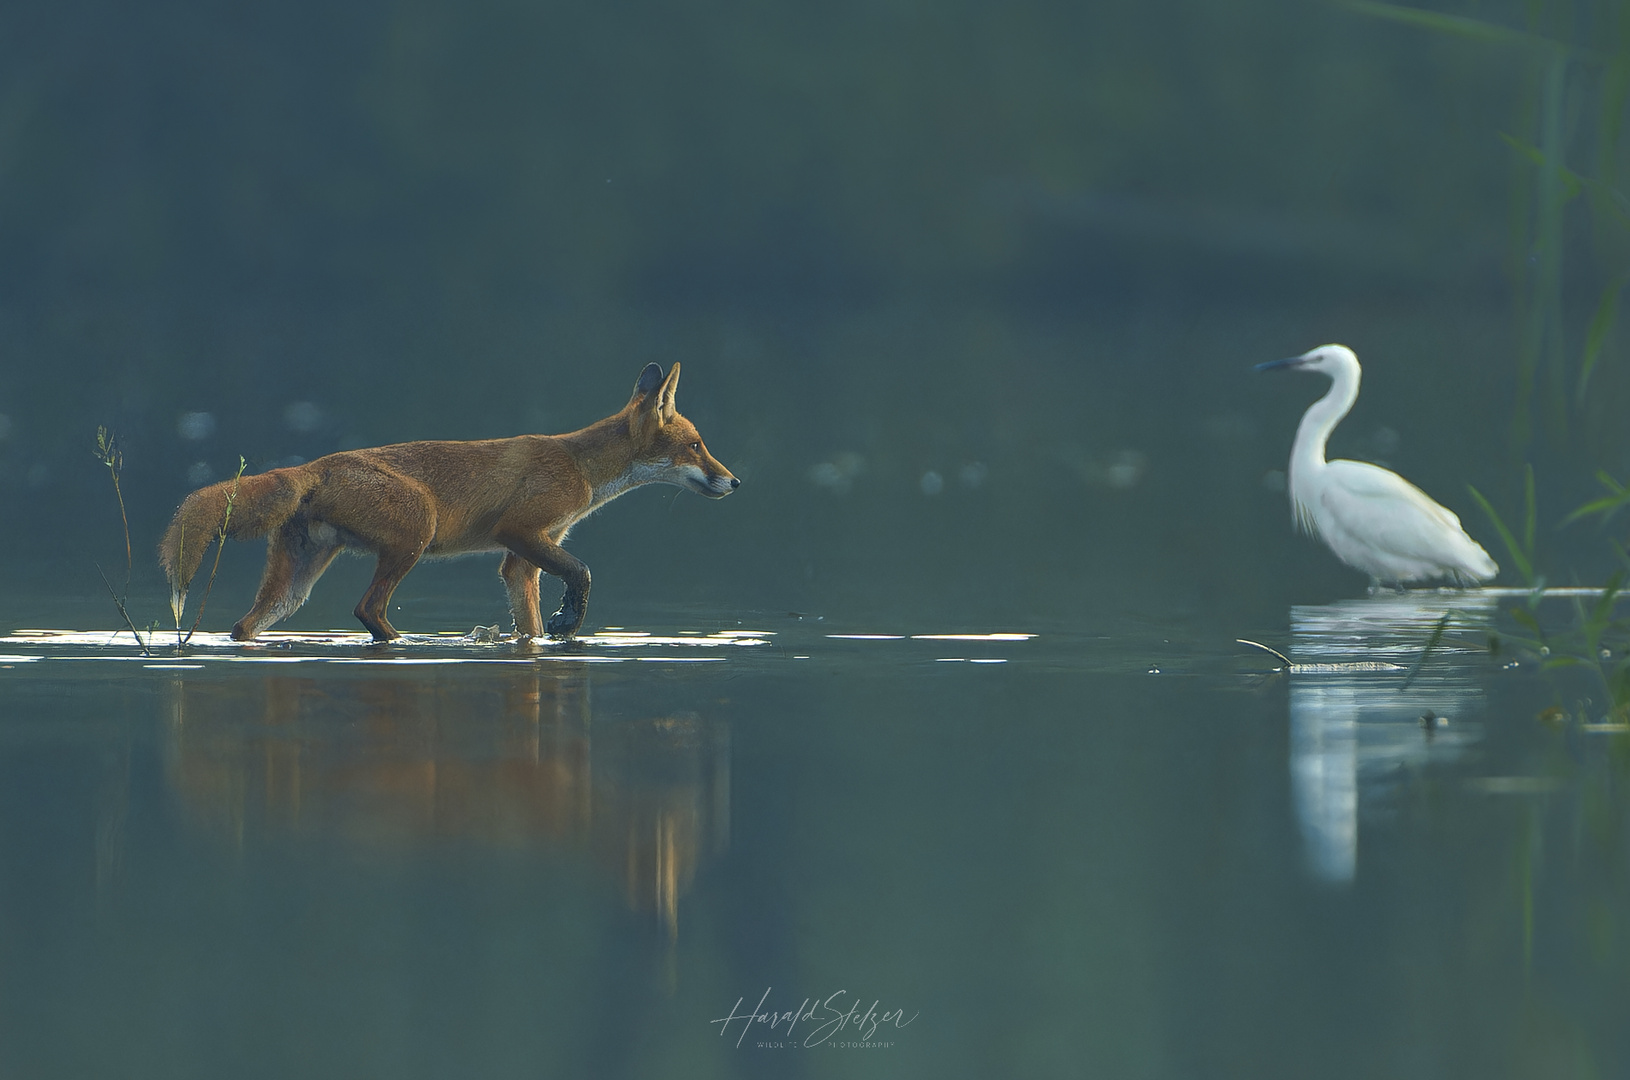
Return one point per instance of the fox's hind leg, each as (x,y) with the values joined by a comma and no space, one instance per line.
(398,552)
(296,556)
(521,578)
(379,510)
(393,566)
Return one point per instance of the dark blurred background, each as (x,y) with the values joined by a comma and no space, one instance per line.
(966,294)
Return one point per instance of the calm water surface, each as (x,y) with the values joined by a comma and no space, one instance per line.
(1116,852)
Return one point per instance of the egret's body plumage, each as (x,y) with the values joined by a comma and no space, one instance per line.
(1372,519)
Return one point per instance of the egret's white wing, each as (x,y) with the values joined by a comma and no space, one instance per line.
(1369,485)
(1358,497)
(1380,522)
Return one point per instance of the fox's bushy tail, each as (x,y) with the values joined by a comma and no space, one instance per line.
(260,503)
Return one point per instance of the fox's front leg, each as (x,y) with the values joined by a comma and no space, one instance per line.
(556,560)
(521,579)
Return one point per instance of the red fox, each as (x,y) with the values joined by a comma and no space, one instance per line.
(412,500)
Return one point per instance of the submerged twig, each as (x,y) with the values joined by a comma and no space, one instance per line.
(1258,645)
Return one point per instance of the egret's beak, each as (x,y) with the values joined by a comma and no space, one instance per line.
(1270,365)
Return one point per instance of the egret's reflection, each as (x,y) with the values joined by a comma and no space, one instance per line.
(513,760)
(1362,713)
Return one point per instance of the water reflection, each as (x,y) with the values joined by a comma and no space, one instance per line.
(407,761)
(1369,703)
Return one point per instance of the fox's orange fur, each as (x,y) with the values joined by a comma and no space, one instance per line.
(430,499)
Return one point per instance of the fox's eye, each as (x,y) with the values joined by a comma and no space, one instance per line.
(695,446)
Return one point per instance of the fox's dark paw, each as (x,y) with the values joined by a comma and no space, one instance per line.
(563,624)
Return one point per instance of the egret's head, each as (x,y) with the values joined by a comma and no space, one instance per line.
(1328,359)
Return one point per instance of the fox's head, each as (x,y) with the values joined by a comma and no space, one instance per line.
(669,450)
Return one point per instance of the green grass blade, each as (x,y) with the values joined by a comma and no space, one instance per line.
(1452,25)
(1516,643)
(1601,325)
(1524,567)
(1606,506)
(1529,622)
(1595,506)
(1530,511)
(1431,643)
(1572,182)
(1603,507)
(1602,613)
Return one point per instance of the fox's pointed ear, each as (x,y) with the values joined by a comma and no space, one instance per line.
(649,380)
(665,399)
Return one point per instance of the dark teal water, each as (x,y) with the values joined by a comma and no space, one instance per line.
(1123,851)
(968,295)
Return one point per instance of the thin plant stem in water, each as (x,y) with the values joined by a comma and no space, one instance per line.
(220,545)
(109,454)
(120,604)
(1431,643)
(1522,554)
(180,560)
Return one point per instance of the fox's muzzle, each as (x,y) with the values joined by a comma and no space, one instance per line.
(717,487)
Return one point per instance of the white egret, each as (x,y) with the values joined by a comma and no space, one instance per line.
(1373,519)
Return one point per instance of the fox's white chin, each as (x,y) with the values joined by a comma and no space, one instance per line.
(714,489)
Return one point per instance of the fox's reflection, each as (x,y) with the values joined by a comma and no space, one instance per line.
(513,760)
(1368,704)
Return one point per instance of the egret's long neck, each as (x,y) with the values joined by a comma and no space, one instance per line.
(1321,418)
